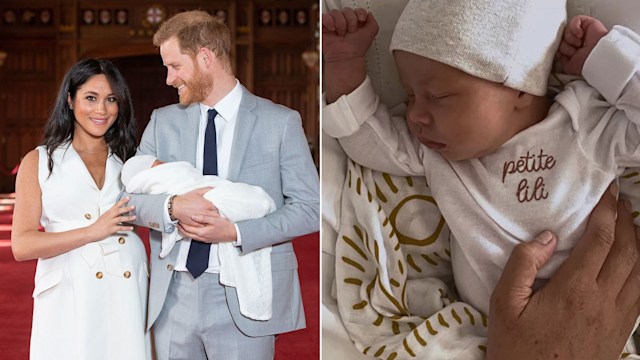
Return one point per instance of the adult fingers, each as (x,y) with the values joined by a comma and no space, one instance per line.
(125,219)
(515,284)
(123,228)
(189,231)
(623,255)
(629,296)
(121,202)
(204,190)
(205,220)
(186,229)
(188,221)
(592,249)
(124,210)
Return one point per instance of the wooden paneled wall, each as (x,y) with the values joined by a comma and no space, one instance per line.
(43,38)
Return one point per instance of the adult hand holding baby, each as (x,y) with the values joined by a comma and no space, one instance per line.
(587,309)
(200,220)
(190,203)
(210,229)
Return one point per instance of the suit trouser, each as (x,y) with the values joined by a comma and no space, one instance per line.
(195,323)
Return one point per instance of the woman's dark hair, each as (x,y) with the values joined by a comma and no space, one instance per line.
(121,136)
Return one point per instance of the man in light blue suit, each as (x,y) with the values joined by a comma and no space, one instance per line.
(223,129)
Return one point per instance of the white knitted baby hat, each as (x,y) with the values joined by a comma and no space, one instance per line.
(512,42)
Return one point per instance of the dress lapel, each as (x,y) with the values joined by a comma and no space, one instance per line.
(73,164)
(245,121)
(112,171)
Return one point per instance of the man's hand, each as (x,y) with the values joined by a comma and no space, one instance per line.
(347,34)
(193,203)
(210,229)
(587,310)
(580,37)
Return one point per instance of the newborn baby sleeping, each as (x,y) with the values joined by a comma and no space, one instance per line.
(249,273)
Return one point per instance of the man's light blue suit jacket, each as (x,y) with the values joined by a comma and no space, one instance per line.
(269,150)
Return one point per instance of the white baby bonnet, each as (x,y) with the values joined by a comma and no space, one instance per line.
(512,42)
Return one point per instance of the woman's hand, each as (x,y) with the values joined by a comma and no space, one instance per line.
(111,221)
(587,310)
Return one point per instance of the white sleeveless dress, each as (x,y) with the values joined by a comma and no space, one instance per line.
(91,302)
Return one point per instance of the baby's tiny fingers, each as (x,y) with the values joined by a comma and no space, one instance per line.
(328,23)
(362,14)
(340,23)
(574,33)
(567,49)
(351,18)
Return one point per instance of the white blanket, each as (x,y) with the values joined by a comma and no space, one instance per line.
(249,273)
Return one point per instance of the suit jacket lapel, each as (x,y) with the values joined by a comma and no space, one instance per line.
(245,121)
(189,134)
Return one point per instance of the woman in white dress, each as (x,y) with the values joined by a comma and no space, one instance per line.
(91,281)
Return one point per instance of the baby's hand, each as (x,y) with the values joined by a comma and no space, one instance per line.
(347,34)
(580,37)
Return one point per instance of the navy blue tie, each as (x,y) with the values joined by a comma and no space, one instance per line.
(198,258)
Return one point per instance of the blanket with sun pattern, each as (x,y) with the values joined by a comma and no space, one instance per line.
(393,274)
(394,282)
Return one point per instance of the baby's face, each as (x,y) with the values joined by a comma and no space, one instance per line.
(456,114)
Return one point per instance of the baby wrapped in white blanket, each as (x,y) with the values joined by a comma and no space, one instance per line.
(249,273)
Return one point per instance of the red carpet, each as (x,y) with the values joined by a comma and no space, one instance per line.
(305,344)
(16,304)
